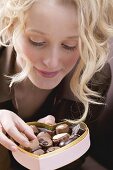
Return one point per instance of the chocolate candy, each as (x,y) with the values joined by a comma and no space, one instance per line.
(39,152)
(50,132)
(71,139)
(52,149)
(50,140)
(62,143)
(34,145)
(60,137)
(63,128)
(44,134)
(45,142)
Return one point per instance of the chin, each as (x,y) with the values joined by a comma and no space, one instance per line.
(45,85)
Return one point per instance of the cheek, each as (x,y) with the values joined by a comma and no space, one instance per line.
(29,52)
(72,60)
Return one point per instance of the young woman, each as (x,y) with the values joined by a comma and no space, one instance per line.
(52,52)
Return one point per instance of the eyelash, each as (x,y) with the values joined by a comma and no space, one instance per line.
(41,44)
(69,47)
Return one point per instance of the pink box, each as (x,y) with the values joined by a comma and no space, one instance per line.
(58,158)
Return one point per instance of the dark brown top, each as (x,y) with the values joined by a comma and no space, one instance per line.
(58,103)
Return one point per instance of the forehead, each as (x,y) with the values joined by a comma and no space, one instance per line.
(52,12)
(59,2)
(57,5)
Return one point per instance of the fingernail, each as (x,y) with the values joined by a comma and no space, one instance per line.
(13,148)
(26,143)
(33,135)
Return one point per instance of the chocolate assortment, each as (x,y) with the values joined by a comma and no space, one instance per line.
(50,140)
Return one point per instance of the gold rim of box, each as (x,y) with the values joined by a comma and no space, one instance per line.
(80,138)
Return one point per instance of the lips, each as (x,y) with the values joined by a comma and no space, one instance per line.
(47,74)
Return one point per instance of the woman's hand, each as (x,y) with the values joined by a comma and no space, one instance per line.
(50,120)
(16,128)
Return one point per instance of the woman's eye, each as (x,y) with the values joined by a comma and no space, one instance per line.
(37,43)
(67,47)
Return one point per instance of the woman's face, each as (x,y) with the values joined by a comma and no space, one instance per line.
(49,42)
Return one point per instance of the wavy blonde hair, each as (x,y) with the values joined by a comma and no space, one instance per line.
(95,20)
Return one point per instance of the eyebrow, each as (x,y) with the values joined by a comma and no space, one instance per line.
(37,31)
(43,33)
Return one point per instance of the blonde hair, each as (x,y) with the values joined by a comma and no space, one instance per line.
(95,21)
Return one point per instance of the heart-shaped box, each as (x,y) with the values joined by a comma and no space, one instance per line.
(57,158)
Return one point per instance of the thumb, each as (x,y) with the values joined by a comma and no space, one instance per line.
(48,120)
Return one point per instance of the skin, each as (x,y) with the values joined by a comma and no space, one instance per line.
(50,43)
(51,46)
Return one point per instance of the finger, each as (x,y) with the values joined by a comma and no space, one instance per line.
(2,129)
(26,129)
(7,143)
(17,136)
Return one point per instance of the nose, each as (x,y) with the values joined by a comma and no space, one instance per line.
(52,59)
